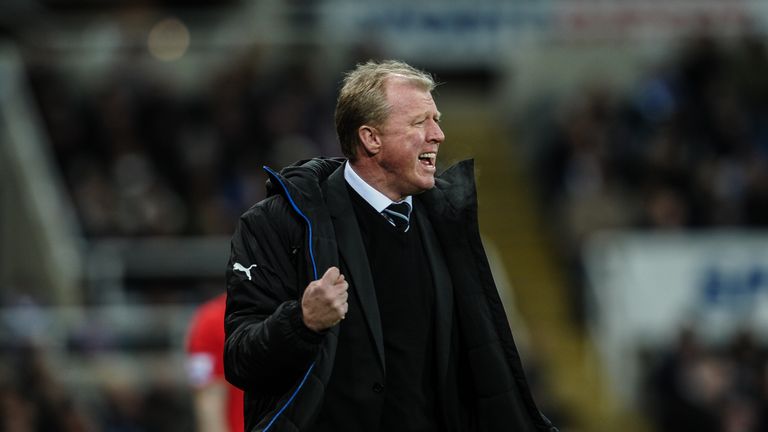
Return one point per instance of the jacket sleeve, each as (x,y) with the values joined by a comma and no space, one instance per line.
(267,347)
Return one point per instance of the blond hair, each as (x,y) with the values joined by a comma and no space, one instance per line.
(362,99)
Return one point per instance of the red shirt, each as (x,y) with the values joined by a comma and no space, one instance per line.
(205,356)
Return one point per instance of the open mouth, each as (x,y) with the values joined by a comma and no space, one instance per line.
(428,158)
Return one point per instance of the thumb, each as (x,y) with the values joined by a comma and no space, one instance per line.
(331,275)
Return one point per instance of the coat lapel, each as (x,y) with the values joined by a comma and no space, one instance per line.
(352,250)
(443,291)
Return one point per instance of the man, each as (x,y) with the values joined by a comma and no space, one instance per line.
(359,294)
(218,404)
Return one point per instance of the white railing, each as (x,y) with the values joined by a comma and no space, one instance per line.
(39,235)
(90,346)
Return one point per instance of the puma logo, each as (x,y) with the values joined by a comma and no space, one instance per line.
(243,269)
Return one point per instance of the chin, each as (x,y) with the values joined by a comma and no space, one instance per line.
(427,185)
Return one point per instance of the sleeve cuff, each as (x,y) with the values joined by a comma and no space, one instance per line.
(300,329)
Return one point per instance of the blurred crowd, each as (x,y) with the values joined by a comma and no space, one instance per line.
(143,157)
(684,148)
(34,397)
(707,387)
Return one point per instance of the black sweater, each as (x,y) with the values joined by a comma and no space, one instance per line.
(405,294)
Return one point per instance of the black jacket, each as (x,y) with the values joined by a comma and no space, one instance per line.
(307,225)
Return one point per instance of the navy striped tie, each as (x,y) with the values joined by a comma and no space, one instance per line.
(398,215)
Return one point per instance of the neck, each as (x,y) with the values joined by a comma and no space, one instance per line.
(372,173)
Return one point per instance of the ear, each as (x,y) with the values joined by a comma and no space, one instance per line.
(369,137)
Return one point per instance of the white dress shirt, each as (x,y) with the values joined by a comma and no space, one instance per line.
(376,199)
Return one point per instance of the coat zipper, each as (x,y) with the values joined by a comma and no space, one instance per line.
(314,272)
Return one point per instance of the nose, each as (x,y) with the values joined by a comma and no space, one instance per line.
(435,134)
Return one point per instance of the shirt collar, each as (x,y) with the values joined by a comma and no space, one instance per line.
(376,199)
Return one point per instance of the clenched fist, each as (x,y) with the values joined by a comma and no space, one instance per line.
(324,302)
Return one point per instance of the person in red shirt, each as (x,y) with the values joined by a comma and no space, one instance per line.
(218,405)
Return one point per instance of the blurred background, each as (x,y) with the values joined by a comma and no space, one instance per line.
(621,152)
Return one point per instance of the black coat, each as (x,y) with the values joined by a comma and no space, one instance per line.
(306,225)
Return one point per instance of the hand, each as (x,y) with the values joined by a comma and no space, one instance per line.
(324,302)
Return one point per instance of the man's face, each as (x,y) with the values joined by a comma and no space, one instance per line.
(410,138)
